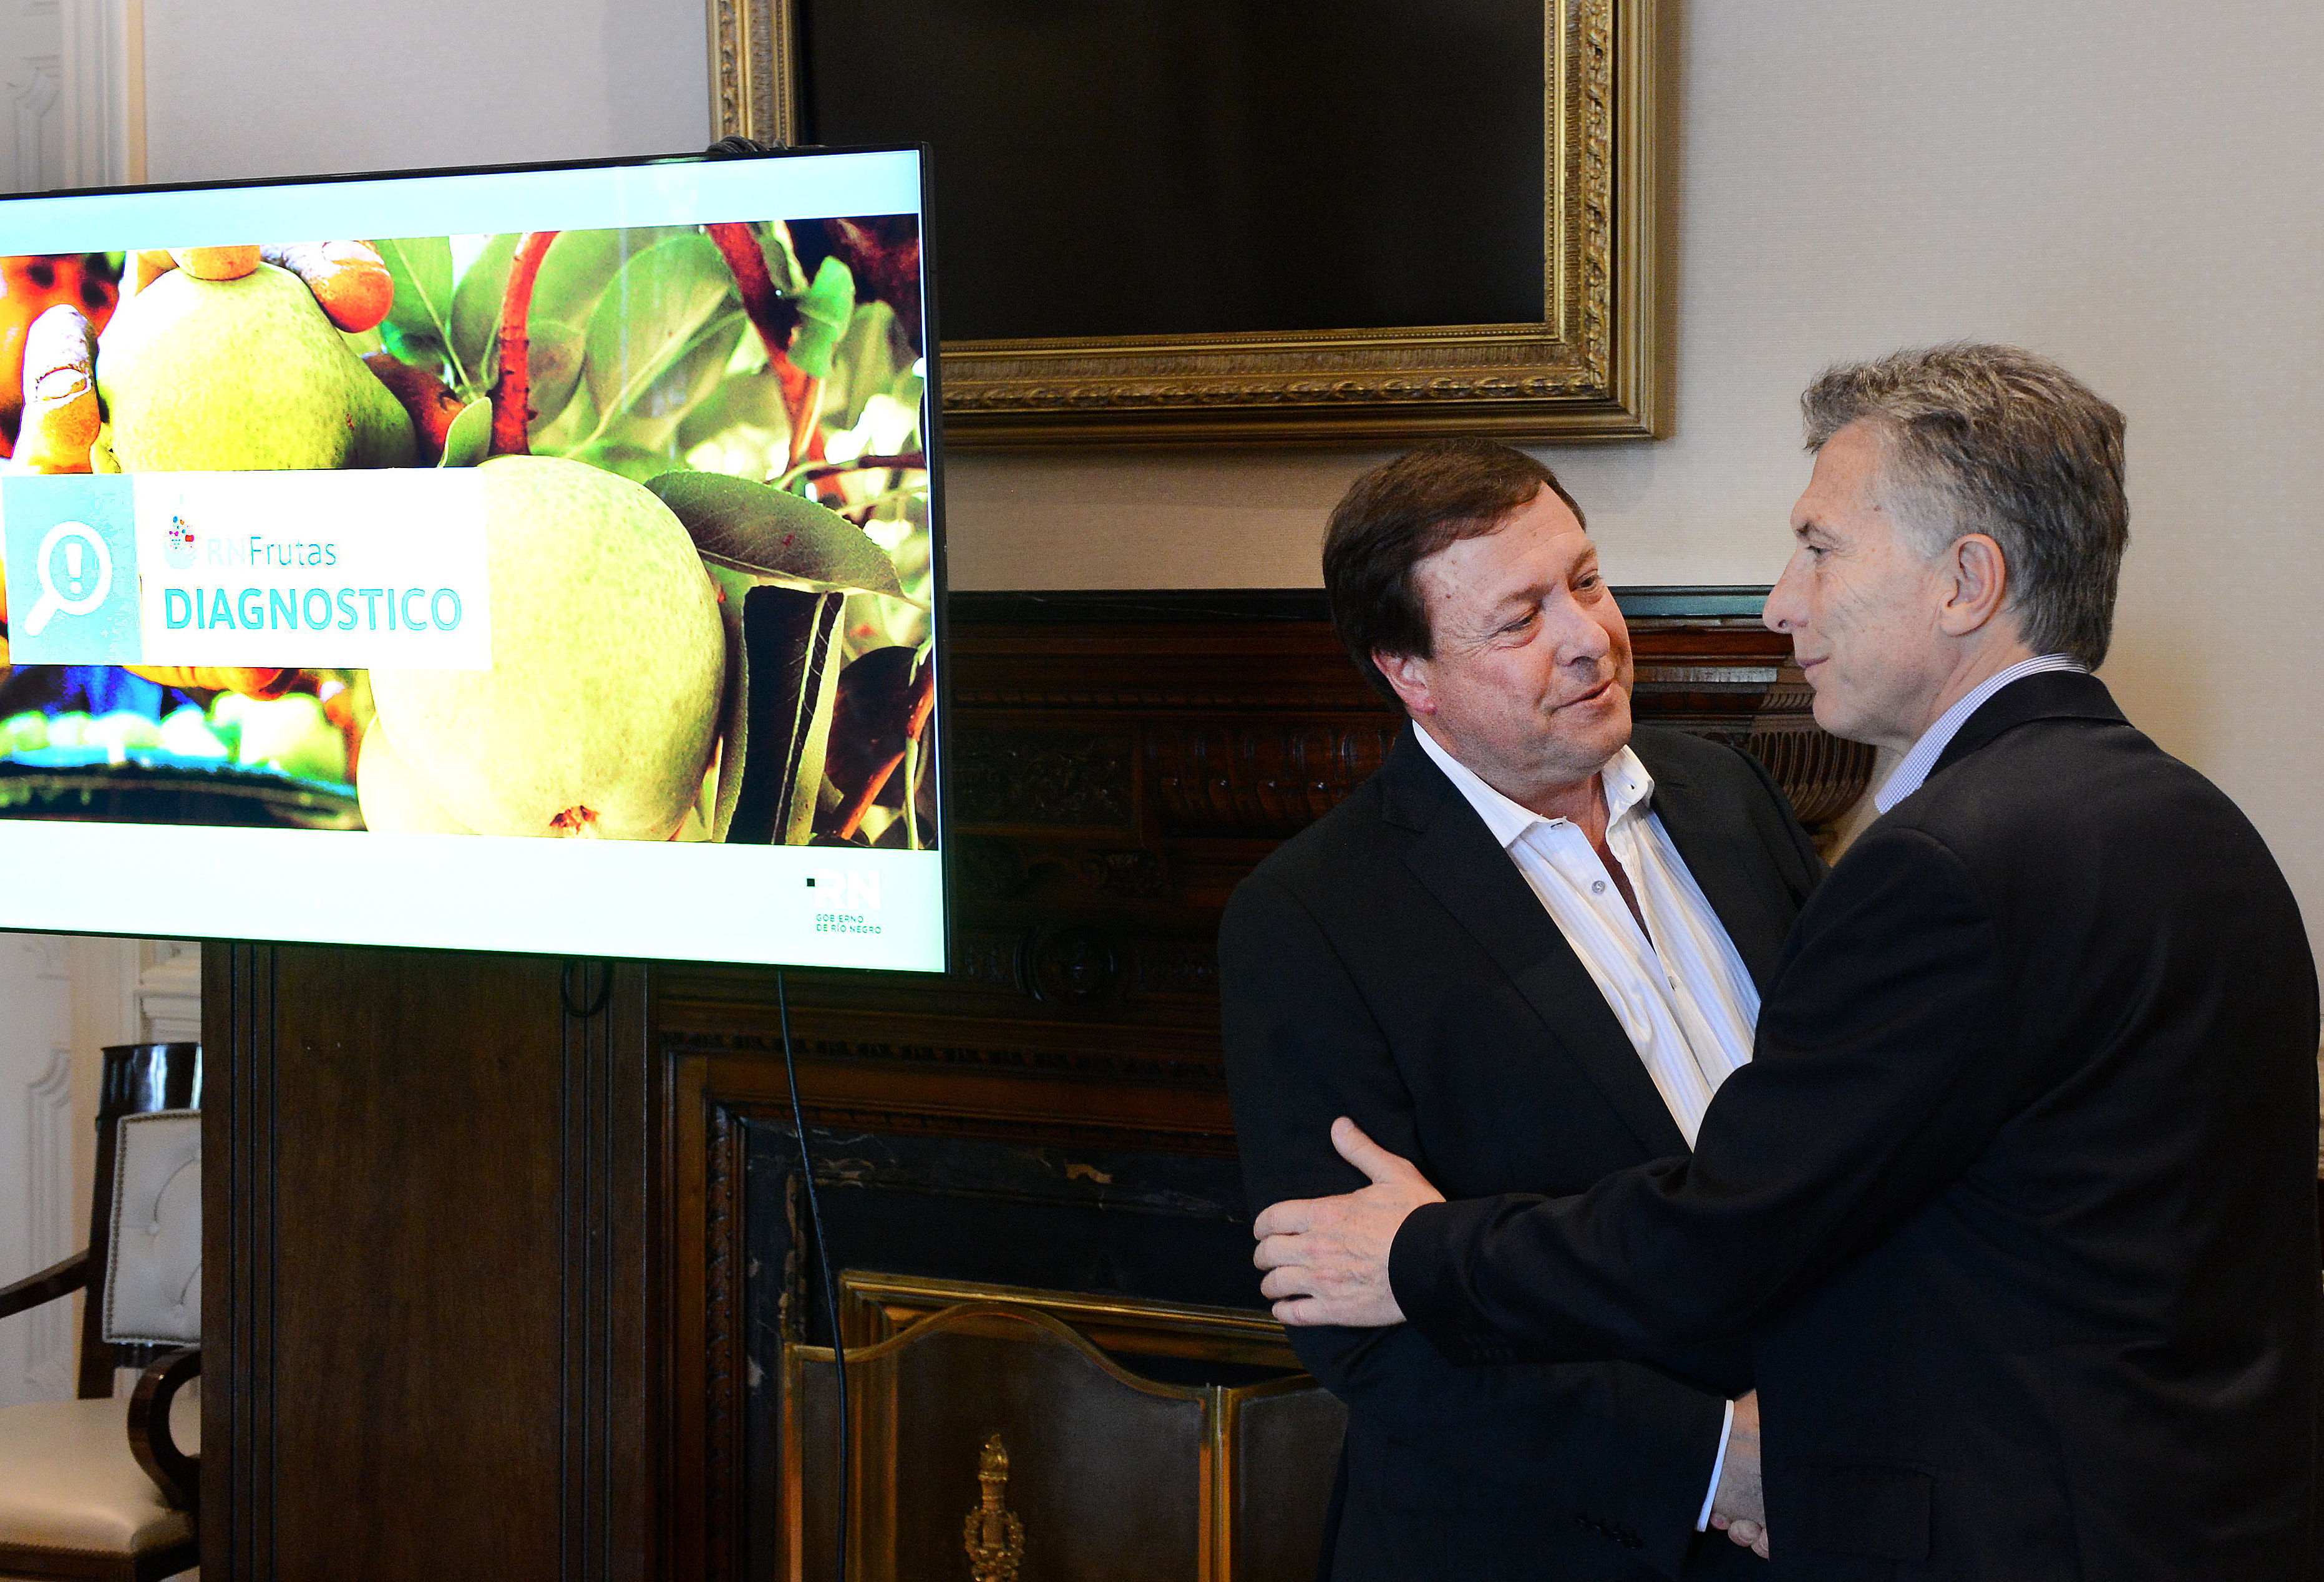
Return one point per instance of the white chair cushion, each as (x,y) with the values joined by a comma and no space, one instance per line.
(153,1289)
(68,1481)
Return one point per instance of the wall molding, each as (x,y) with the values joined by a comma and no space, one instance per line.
(39,161)
(50,1353)
(169,992)
(102,76)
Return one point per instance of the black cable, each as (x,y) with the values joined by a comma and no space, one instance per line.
(822,1257)
(565,989)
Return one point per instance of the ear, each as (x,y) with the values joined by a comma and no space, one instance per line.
(1409,676)
(1978,586)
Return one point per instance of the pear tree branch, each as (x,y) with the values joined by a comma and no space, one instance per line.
(512,390)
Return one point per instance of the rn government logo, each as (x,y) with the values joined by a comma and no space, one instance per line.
(178,549)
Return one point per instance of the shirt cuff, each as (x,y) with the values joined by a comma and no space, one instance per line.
(1726,1426)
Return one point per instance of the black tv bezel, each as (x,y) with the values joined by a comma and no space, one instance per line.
(932,422)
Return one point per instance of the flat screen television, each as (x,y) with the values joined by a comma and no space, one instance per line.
(542,558)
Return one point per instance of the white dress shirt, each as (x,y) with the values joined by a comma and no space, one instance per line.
(1915,769)
(1678,987)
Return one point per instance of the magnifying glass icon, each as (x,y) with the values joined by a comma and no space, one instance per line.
(64,544)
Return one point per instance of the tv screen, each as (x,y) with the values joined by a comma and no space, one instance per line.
(542,558)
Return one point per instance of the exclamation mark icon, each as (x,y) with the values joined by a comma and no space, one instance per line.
(72,565)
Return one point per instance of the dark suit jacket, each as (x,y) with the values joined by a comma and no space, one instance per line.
(2014,1196)
(1390,964)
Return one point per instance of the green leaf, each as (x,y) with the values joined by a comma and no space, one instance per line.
(476,319)
(864,363)
(635,462)
(579,268)
(698,371)
(421,268)
(568,429)
(786,541)
(824,316)
(421,348)
(651,419)
(651,316)
(782,261)
(553,360)
(757,403)
(469,440)
(573,274)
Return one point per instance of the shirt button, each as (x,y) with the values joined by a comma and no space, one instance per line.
(1598,887)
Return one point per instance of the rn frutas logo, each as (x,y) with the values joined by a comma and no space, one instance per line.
(179,551)
(852,889)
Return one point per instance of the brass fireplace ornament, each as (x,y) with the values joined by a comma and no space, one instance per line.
(994,1537)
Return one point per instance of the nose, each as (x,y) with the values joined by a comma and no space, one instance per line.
(1582,638)
(1786,609)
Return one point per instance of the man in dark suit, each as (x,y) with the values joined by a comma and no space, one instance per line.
(1527,950)
(2013,1201)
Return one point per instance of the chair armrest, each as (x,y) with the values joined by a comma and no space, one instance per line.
(176,1474)
(57,1280)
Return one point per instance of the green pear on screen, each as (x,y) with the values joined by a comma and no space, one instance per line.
(392,798)
(597,716)
(240,375)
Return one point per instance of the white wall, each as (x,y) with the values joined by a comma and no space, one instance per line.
(270,87)
(2128,185)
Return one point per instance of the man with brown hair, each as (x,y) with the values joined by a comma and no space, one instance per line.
(2013,1201)
(1527,951)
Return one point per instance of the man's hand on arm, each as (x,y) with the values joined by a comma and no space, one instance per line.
(1737,1508)
(1326,1258)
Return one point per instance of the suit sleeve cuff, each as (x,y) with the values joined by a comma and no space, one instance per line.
(1717,1466)
(1425,1266)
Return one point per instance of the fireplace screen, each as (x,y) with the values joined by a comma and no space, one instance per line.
(993,1441)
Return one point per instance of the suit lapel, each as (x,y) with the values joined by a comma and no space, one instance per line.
(2047,695)
(1720,858)
(1456,858)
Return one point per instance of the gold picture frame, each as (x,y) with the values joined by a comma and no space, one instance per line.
(1592,368)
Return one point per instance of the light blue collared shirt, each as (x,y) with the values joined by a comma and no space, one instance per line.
(1933,742)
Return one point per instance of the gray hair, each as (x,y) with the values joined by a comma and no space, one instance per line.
(1996,441)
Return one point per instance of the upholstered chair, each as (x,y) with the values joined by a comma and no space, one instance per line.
(106,1485)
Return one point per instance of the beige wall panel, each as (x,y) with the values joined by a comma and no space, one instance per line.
(272,88)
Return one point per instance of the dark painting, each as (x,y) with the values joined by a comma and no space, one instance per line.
(1125,167)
